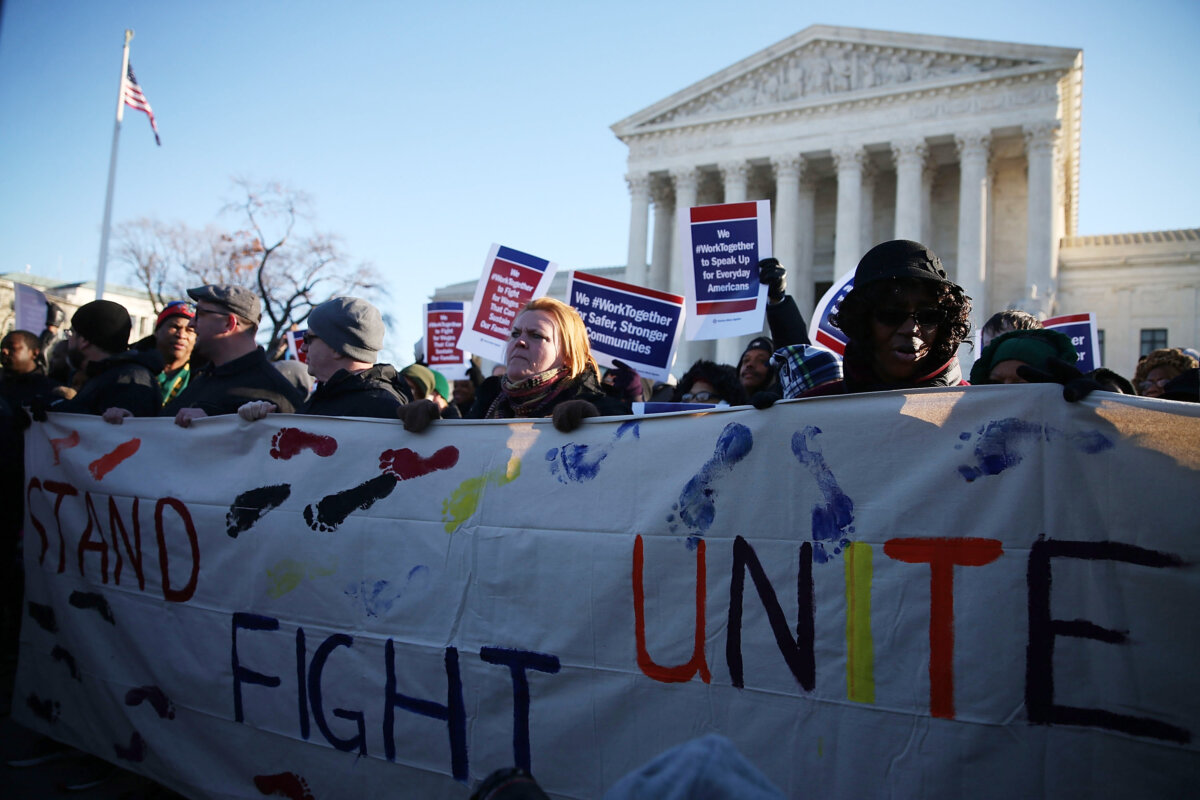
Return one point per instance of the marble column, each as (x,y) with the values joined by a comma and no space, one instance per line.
(786,241)
(928,179)
(735,175)
(1041,253)
(910,162)
(639,229)
(848,230)
(664,233)
(800,280)
(972,221)
(866,239)
(687,183)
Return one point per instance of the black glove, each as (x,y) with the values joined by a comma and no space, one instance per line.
(763,400)
(1076,385)
(772,273)
(38,408)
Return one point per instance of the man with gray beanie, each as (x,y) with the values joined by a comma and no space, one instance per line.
(114,376)
(343,340)
(226,323)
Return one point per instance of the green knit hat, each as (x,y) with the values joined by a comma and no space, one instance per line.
(1032,347)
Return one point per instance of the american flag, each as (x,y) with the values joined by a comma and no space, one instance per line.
(137,101)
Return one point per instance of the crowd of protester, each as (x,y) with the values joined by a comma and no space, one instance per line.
(904,322)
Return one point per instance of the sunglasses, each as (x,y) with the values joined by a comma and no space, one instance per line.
(924,317)
(700,397)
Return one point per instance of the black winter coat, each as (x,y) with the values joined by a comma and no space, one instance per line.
(126,380)
(583,387)
(376,392)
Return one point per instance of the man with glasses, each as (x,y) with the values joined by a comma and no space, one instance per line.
(225,323)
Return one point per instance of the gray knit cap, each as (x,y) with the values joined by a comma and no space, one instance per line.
(352,327)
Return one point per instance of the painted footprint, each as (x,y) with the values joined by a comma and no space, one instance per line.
(1003,443)
(696,506)
(288,442)
(136,752)
(284,784)
(250,506)
(288,574)
(110,461)
(155,697)
(95,602)
(63,656)
(380,596)
(62,443)
(463,502)
(46,709)
(577,462)
(833,521)
(332,510)
(43,615)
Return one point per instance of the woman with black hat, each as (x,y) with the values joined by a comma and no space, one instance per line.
(904,319)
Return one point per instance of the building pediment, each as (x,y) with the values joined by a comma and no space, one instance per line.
(824,65)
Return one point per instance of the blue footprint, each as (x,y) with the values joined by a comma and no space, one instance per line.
(999,444)
(834,521)
(577,462)
(696,507)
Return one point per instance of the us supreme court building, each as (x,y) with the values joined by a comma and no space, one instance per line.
(859,136)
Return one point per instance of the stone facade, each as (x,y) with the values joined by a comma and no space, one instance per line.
(70,296)
(859,136)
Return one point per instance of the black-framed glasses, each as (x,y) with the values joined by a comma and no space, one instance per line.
(924,317)
(308,337)
(700,397)
(217,311)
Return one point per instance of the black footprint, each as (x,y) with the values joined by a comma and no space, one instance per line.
(60,654)
(249,507)
(93,600)
(330,511)
(155,697)
(136,750)
(47,709)
(43,615)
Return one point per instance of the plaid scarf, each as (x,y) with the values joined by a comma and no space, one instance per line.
(528,397)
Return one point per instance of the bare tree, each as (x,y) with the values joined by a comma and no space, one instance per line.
(293,268)
(275,252)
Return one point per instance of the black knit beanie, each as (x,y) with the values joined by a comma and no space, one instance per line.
(103,323)
(899,258)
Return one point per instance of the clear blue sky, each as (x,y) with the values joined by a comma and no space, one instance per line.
(426,131)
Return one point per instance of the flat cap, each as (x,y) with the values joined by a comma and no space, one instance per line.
(237,299)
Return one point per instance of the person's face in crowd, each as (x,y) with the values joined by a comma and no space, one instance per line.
(175,339)
(701,392)
(209,323)
(902,330)
(1155,380)
(1006,372)
(463,392)
(754,370)
(322,360)
(534,346)
(16,356)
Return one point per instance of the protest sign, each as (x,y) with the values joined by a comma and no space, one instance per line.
(724,244)
(1081,329)
(510,280)
(824,333)
(444,323)
(29,309)
(636,325)
(295,338)
(237,607)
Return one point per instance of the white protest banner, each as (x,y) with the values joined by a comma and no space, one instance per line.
(724,244)
(29,309)
(824,334)
(1081,329)
(636,325)
(444,324)
(510,280)
(980,591)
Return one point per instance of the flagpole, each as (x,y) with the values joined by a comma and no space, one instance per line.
(112,170)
